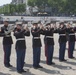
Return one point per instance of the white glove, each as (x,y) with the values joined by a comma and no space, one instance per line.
(7,32)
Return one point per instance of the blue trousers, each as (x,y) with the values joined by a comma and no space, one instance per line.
(36,56)
(62,50)
(7,53)
(50,50)
(71,49)
(20,59)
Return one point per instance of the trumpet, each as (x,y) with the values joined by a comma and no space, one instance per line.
(25,27)
(41,27)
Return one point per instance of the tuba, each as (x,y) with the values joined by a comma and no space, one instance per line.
(10,29)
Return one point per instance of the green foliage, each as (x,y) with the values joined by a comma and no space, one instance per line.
(62,6)
(58,6)
(11,9)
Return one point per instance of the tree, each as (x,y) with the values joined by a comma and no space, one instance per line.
(70,7)
(57,6)
(20,8)
(32,2)
(12,8)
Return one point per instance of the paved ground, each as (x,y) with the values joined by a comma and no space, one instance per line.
(61,68)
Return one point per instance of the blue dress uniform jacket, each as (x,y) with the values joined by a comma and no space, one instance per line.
(71,33)
(36,33)
(62,35)
(6,40)
(49,40)
(21,44)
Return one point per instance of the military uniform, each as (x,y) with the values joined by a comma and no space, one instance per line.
(7,44)
(36,44)
(20,47)
(62,43)
(71,41)
(49,44)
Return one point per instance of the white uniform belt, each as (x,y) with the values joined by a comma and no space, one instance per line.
(36,37)
(21,39)
(71,34)
(7,35)
(62,34)
(49,36)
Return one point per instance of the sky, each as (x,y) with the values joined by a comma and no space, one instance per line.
(2,2)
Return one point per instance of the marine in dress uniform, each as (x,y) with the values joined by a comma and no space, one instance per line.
(20,47)
(62,41)
(7,43)
(71,41)
(49,43)
(36,44)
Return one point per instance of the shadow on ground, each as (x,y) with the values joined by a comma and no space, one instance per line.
(71,63)
(28,65)
(49,71)
(59,66)
(62,67)
(28,73)
(12,69)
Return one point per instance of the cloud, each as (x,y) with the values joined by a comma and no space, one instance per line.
(2,2)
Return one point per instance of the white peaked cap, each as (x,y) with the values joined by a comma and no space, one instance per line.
(6,19)
(18,22)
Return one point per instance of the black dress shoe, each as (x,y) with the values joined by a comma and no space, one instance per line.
(20,72)
(71,57)
(10,65)
(62,60)
(7,66)
(52,63)
(40,66)
(24,70)
(35,67)
(24,62)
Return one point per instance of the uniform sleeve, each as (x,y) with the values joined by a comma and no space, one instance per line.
(67,30)
(2,34)
(35,32)
(75,29)
(46,31)
(18,34)
(27,33)
(42,32)
(56,31)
